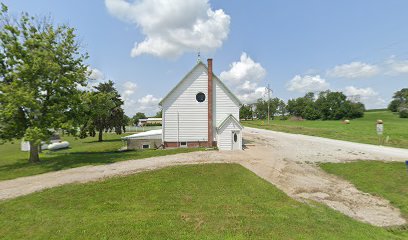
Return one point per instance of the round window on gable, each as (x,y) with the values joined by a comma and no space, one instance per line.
(200,97)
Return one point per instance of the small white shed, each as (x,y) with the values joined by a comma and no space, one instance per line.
(144,140)
(229,134)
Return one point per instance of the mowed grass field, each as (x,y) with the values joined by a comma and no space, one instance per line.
(211,201)
(362,130)
(14,163)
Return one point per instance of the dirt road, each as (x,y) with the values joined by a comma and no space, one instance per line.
(285,160)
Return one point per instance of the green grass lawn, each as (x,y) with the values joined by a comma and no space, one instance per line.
(212,201)
(359,130)
(14,163)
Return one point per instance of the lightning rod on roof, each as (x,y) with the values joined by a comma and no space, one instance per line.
(198,56)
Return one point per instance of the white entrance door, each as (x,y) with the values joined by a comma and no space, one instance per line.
(236,140)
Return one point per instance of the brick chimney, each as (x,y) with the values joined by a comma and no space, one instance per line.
(210,103)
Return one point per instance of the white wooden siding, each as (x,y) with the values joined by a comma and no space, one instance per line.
(224,105)
(185,119)
(224,136)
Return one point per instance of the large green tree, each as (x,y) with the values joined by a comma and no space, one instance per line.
(303,107)
(126,121)
(245,112)
(102,111)
(335,106)
(261,110)
(399,102)
(41,67)
(159,114)
(328,106)
(137,116)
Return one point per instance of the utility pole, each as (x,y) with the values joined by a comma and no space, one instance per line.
(269,99)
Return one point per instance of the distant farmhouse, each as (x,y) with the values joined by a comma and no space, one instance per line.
(149,121)
(200,111)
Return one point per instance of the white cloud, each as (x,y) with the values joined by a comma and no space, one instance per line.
(243,78)
(375,102)
(368,96)
(252,96)
(148,104)
(353,70)
(173,27)
(244,70)
(381,103)
(400,67)
(307,83)
(361,92)
(129,89)
(396,66)
(95,74)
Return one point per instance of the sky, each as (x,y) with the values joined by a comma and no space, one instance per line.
(147,46)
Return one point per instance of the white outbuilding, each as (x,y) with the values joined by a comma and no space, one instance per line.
(229,136)
(201,111)
(144,140)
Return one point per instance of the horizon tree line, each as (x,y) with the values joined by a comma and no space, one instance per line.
(326,105)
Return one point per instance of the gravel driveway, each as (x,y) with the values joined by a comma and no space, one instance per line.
(285,160)
(289,162)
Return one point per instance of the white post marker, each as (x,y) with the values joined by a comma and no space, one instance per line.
(380,131)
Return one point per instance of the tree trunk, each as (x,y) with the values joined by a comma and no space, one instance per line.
(34,157)
(100,136)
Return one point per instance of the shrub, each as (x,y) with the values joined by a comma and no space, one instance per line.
(311,113)
(403,113)
(356,110)
(284,117)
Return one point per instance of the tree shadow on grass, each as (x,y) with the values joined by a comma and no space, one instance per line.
(55,161)
(62,161)
(107,140)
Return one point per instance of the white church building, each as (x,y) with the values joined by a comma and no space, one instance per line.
(201,111)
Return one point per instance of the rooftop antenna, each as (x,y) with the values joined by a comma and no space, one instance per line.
(198,56)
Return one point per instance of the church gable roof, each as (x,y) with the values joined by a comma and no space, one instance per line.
(214,78)
(227,120)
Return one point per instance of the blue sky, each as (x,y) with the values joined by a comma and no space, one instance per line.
(359,47)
